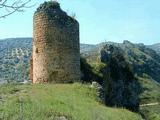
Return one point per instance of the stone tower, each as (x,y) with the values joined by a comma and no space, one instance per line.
(56,52)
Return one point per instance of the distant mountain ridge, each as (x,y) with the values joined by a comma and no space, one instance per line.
(144,60)
(155,47)
(15,54)
(83,47)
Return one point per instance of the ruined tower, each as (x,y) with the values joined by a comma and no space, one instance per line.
(56,54)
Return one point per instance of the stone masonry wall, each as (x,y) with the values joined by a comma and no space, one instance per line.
(31,69)
(56,56)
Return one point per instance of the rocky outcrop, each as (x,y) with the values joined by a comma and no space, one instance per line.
(120,86)
(100,91)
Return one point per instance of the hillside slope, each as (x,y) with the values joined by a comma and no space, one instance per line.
(144,61)
(51,102)
(15,54)
(155,47)
(14,59)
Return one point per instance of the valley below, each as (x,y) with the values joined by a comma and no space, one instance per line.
(79,101)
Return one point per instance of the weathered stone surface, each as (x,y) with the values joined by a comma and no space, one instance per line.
(100,91)
(56,56)
(31,69)
(121,87)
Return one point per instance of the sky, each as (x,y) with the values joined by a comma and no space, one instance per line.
(100,20)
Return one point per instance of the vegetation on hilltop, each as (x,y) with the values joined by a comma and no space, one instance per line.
(143,60)
(49,5)
(15,53)
(48,102)
(14,59)
(149,87)
(121,88)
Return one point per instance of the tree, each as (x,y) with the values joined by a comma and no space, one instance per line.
(9,8)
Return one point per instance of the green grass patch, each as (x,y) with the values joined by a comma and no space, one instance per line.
(47,102)
(151,112)
(151,91)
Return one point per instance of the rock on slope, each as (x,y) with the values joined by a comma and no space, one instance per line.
(144,61)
